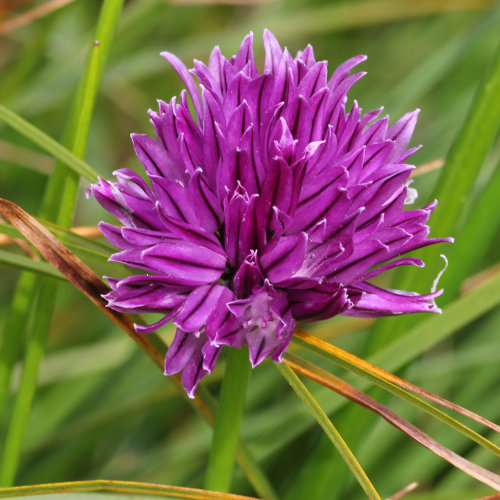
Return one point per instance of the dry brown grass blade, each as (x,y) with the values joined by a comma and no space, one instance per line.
(496,496)
(87,231)
(81,276)
(479,279)
(427,167)
(32,15)
(403,492)
(90,232)
(389,377)
(344,389)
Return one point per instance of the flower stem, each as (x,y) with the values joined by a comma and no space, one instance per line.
(227,425)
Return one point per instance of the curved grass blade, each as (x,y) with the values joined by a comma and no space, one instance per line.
(128,487)
(344,389)
(81,276)
(378,375)
(332,433)
(44,141)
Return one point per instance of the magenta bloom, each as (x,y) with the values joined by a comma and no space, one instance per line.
(273,204)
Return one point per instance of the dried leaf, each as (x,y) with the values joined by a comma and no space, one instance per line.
(344,389)
(365,366)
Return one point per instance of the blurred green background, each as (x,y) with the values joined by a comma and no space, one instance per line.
(101,408)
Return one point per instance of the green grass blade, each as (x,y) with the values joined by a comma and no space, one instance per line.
(24,398)
(329,429)
(228,420)
(80,248)
(48,144)
(13,331)
(63,180)
(27,264)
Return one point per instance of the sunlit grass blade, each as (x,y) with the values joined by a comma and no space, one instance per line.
(329,429)
(402,493)
(343,388)
(376,374)
(83,278)
(400,388)
(427,167)
(83,236)
(128,487)
(432,330)
(48,144)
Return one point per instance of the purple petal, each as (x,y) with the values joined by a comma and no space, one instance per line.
(198,306)
(188,81)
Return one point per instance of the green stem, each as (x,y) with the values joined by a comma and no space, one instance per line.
(228,420)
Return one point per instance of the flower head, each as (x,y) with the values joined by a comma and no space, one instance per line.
(272,204)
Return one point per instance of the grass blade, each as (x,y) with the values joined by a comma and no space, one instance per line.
(340,387)
(58,205)
(374,373)
(400,388)
(329,429)
(49,145)
(27,264)
(128,487)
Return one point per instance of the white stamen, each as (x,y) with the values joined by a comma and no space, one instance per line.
(438,277)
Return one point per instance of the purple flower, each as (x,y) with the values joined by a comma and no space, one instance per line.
(272,204)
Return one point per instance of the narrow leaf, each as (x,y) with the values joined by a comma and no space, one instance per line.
(48,144)
(27,264)
(329,428)
(128,487)
(364,368)
(344,389)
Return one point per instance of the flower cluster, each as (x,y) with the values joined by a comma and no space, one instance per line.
(271,203)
